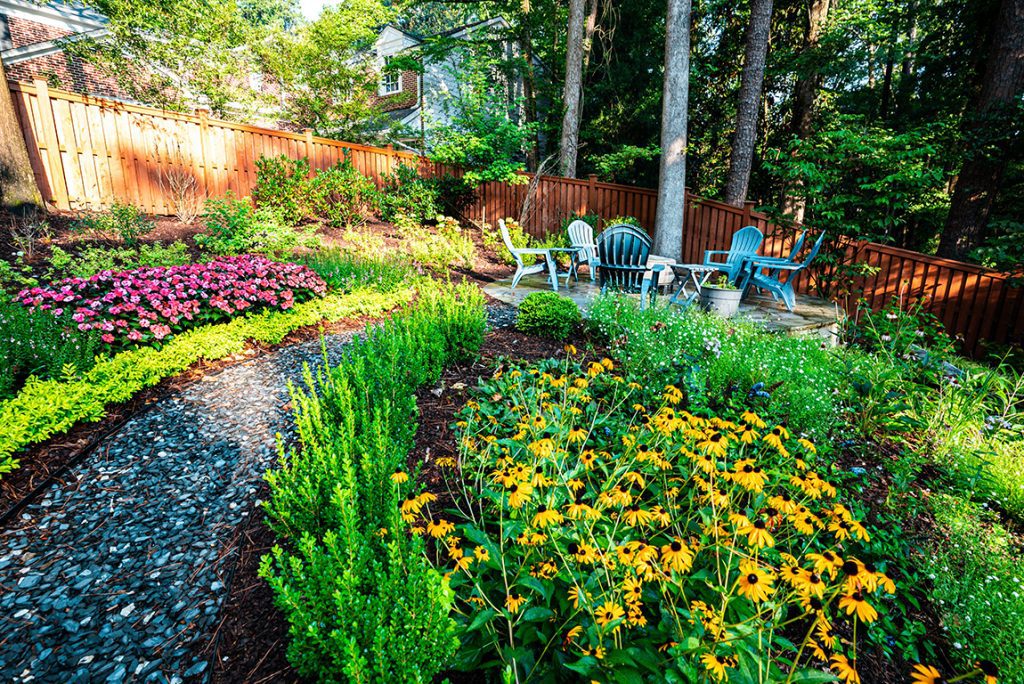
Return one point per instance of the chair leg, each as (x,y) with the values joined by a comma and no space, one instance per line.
(553,274)
(520,271)
(788,296)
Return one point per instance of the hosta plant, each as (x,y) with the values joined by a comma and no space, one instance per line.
(595,526)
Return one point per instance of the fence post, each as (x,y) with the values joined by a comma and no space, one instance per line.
(748,208)
(591,193)
(391,150)
(308,132)
(58,184)
(204,132)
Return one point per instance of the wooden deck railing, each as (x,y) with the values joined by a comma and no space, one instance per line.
(86,153)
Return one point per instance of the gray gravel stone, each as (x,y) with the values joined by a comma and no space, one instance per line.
(120,575)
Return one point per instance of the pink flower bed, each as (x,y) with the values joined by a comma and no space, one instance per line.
(148,304)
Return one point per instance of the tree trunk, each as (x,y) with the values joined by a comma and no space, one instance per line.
(989,128)
(906,89)
(668,229)
(574,48)
(804,95)
(590,27)
(741,157)
(18,191)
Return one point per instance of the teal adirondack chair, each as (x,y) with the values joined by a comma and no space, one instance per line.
(622,254)
(771,280)
(745,243)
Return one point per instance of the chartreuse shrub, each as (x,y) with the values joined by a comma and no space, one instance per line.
(596,526)
(362,602)
(548,314)
(977,577)
(718,362)
(44,408)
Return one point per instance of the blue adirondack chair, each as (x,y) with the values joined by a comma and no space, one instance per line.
(622,254)
(745,243)
(766,262)
(543,263)
(771,278)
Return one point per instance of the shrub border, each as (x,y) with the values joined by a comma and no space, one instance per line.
(44,408)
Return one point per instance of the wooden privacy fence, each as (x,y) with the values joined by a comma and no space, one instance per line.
(86,153)
(974,303)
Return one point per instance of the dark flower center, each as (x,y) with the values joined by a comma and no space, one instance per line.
(851,568)
(676,546)
(752,578)
(759,524)
(513,489)
(573,548)
(748,468)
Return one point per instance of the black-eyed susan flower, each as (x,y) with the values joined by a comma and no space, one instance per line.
(545,517)
(570,349)
(844,668)
(807,444)
(633,515)
(440,528)
(587,457)
(754,582)
(513,602)
(748,435)
(411,505)
(758,535)
(582,553)
(774,438)
(577,435)
(716,665)
(519,494)
(673,394)
(399,476)
(481,554)
(575,485)
(855,603)
(632,590)
(751,418)
(676,556)
(826,563)
(714,443)
(926,674)
(607,613)
(607,363)
(988,670)
(748,475)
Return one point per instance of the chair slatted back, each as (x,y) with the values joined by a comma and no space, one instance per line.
(581,234)
(507,239)
(745,242)
(622,251)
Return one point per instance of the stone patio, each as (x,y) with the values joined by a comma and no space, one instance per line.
(812,316)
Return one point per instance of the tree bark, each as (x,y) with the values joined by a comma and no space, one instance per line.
(574,49)
(989,129)
(805,93)
(19,193)
(741,156)
(668,229)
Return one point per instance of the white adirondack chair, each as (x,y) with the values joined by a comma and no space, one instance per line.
(581,235)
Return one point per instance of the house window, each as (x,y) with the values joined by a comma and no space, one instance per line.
(390,82)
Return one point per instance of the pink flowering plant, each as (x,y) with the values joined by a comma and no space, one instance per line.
(148,305)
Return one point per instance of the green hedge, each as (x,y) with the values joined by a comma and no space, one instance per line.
(361,599)
(44,408)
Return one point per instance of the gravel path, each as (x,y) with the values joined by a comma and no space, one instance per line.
(120,576)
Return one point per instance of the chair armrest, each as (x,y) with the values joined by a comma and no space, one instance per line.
(786,266)
(543,252)
(715,251)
